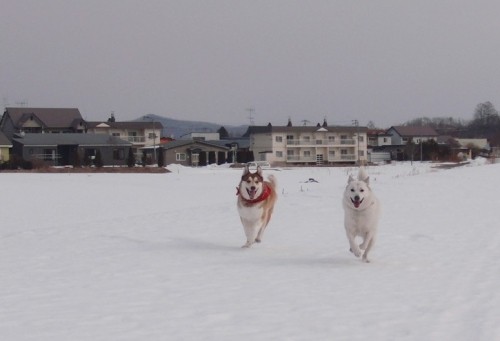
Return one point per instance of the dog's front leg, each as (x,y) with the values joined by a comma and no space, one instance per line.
(354,247)
(251,234)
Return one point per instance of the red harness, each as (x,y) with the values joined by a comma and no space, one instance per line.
(266,192)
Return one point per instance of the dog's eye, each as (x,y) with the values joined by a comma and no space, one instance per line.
(362,190)
(352,189)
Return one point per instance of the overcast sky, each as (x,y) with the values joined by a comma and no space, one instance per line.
(212,60)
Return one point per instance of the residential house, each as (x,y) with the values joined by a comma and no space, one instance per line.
(41,120)
(5,146)
(194,152)
(70,148)
(308,145)
(143,135)
(401,135)
(201,136)
(378,139)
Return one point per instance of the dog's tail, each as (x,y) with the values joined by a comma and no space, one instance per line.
(362,175)
(273,182)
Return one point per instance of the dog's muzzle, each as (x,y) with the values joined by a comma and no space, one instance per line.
(356,201)
(252,191)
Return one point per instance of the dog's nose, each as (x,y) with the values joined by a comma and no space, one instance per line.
(356,198)
(252,188)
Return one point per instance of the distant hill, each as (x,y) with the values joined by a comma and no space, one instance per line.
(178,128)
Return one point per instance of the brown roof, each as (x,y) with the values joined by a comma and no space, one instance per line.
(49,117)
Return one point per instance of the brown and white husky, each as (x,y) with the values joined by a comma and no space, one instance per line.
(256,199)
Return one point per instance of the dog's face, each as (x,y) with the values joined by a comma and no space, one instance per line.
(251,184)
(357,192)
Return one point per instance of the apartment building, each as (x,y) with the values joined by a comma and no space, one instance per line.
(308,145)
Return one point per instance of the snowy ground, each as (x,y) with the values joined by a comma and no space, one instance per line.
(158,257)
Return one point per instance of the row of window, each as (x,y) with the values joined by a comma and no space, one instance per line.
(307,153)
(331,138)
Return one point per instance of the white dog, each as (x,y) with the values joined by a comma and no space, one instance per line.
(256,199)
(362,211)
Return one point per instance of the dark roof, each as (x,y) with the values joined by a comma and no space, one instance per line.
(127,125)
(180,143)
(49,117)
(300,129)
(414,131)
(69,139)
(4,141)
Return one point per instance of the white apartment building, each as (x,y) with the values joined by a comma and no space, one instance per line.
(306,145)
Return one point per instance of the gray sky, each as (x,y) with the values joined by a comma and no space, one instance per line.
(210,60)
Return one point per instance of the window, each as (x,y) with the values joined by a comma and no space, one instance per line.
(331,138)
(344,152)
(278,139)
(289,137)
(118,154)
(151,136)
(307,153)
(49,154)
(115,134)
(307,138)
(180,157)
(279,154)
(361,153)
(331,153)
(361,138)
(289,152)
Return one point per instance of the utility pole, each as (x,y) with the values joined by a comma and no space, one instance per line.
(251,112)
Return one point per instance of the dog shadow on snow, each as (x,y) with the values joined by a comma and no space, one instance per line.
(271,256)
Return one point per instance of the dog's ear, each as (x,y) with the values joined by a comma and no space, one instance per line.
(246,170)
(351,179)
(366,180)
(259,170)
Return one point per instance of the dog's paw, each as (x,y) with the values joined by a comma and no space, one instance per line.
(247,245)
(257,240)
(356,252)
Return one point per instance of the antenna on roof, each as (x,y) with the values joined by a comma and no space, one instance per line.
(305,122)
(22,103)
(251,112)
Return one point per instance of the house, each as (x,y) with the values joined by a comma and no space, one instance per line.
(201,136)
(378,139)
(141,134)
(70,149)
(41,120)
(194,152)
(308,145)
(5,146)
(401,135)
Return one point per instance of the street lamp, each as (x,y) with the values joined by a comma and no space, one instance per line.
(154,137)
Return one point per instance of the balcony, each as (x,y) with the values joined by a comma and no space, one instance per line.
(321,143)
(135,139)
(313,159)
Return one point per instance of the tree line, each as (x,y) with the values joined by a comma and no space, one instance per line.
(485,123)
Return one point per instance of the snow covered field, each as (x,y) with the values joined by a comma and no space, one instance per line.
(158,257)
